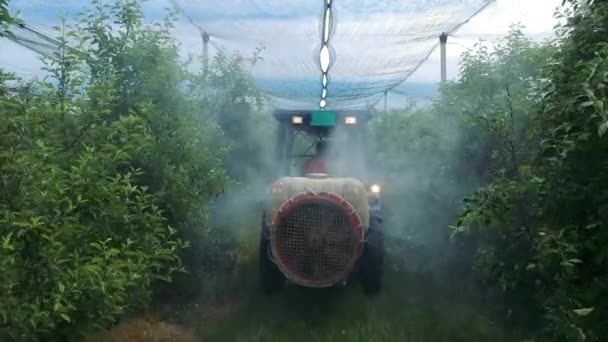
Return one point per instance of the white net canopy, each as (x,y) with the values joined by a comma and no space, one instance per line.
(374,45)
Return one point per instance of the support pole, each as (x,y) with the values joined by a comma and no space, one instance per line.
(205,37)
(385,100)
(443,40)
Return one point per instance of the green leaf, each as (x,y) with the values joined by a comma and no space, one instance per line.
(95,245)
(6,241)
(592,226)
(583,311)
(581,334)
(65,317)
(602,128)
(538,179)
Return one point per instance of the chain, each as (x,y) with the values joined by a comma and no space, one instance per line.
(324,54)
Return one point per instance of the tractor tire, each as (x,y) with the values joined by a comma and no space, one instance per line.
(271,278)
(371,264)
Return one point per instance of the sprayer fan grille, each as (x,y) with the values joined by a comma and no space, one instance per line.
(316,242)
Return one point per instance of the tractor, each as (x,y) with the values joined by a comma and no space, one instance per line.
(322,228)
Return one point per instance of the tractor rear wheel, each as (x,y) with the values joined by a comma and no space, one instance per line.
(371,264)
(271,278)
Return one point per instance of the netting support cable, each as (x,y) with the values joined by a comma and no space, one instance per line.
(448,33)
(43,36)
(49,43)
(443,40)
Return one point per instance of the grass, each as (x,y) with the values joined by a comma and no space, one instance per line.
(410,308)
(337,316)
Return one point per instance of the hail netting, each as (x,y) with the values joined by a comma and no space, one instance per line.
(374,44)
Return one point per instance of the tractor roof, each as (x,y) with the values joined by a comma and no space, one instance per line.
(363,116)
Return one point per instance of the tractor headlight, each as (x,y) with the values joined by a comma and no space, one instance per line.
(375,188)
(350,120)
(296,120)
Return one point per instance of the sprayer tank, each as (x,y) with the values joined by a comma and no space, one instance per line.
(351,190)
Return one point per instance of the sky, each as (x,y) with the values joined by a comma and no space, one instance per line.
(385,54)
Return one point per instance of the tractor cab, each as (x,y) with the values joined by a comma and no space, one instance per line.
(343,134)
(322,223)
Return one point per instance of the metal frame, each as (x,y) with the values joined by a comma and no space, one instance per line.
(287,132)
